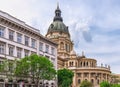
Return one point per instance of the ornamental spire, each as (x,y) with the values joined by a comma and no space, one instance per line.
(58,14)
(57,5)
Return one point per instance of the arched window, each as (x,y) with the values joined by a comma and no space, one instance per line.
(69,63)
(52,84)
(72,63)
(79,81)
(92,81)
(84,64)
(87,63)
(81,64)
(98,81)
(61,45)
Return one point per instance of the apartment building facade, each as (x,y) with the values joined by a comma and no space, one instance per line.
(17,40)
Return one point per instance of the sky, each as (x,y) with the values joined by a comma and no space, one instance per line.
(94,25)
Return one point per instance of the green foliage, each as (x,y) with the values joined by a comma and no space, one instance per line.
(86,83)
(65,77)
(115,85)
(38,67)
(105,84)
(7,68)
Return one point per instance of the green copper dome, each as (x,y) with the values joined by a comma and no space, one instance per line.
(57,25)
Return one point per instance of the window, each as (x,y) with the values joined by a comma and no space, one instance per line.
(47,49)
(11,35)
(67,47)
(33,52)
(11,50)
(92,81)
(10,66)
(98,81)
(19,38)
(41,46)
(26,41)
(26,53)
(53,60)
(2,48)
(52,51)
(79,74)
(33,43)
(2,31)
(79,81)
(19,52)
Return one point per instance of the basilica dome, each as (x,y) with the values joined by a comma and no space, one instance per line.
(57,25)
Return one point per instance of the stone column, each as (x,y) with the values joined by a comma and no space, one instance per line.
(82,77)
(89,77)
(6,49)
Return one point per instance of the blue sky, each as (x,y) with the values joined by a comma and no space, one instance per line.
(94,25)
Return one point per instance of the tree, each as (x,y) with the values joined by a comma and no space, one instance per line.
(65,77)
(38,67)
(86,83)
(7,68)
(105,84)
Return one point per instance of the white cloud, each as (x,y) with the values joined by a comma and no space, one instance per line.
(79,15)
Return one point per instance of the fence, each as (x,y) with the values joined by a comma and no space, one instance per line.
(10,84)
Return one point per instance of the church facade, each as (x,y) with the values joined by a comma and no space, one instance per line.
(83,68)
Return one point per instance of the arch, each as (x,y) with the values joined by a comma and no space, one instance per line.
(52,83)
(72,63)
(79,81)
(69,63)
(81,64)
(61,45)
(92,81)
(47,83)
(84,64)
(98,82)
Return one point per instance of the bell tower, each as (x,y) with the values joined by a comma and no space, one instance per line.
(58,32)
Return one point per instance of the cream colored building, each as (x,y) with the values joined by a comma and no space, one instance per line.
(83,68)
(17,40)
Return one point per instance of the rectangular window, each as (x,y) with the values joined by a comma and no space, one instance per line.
(47,49)
(2,31)
(67,47)
(52,51)
(33,41)
(26,53)
(2,48)
(53,60)
(26,41)
(11,35)
(33,52)
(19,52)
(11,50)
(41,46)
(19,38)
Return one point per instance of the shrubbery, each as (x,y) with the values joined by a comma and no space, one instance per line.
(107,84)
